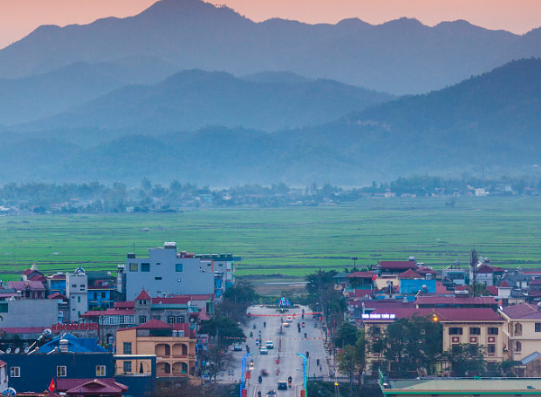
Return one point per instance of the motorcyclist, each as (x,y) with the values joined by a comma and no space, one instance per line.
(305,335)
(289,381)
(254,326)
(258,394)
(251,334)
(260,379)
(247,349)
(307,354)
(317,361)
(264,324)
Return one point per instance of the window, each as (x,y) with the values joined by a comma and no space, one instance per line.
(518,329)
(100,370)
(475,331)
(142,319)
(134,267)
(145,267)
(170,319)
(455,331)
(15,372)
(127,348)
(61,371)
(157,278)
(537,327)
(491,350)
(181,320)
(74,286)
(158,264)
(103,294)
(127,366)
(178,267)
(518,346)
(78,299)
(493,331)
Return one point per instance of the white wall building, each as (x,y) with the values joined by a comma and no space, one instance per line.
(76,290)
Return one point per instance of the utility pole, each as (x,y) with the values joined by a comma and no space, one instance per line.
(473,266)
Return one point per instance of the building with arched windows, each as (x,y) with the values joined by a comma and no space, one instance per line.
(173,345)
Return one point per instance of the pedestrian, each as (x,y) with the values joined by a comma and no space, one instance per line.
(320,368)
(363,374)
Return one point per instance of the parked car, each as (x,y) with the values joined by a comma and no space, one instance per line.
(263,350)
(271,393)
(237,347)
(270,344)
(282,385)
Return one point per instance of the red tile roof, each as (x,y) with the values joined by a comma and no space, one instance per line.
(57,277)
(38,277)
(361,275)
(397,265)
(28,271)
(441,289)
(90,386)
(57,295)
(143,295)
(535,282)
(24,285)
(426,270)
(522,311)
(484,269)
(124,305)
(3,364)
(504,284)
(410,274)
(492,290)
(452,300)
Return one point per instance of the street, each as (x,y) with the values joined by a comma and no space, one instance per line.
(282,362)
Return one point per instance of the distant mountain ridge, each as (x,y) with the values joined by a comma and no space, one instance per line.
(399,57)
(487,124)
(193,99)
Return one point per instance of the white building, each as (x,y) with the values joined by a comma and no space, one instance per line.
(76,290)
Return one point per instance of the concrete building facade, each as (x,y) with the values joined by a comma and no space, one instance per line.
(77,292)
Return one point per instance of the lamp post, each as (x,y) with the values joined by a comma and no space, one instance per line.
(354,260)
(243,374)
(305,374)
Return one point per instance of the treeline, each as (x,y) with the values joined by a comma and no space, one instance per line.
(95,197)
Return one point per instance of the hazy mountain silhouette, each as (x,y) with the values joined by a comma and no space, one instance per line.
(194,99)
(30,98)
(489,123)
(401,56)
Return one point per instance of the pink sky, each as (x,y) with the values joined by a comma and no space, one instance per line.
(20,17)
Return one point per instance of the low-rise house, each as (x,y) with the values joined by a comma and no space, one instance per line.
(173,345)
(104,387)
(57,283)
(457,302)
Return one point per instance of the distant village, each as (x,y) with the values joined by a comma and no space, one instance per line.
(145,323)
(41,198)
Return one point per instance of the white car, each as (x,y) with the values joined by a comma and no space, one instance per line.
(270,344)
(263,350)
(285,324)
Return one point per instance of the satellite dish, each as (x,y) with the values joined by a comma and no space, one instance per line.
(26,350)
(10,391)
(17,350)
(8,350)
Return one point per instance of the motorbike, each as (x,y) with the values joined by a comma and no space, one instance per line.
(254,326)
(289,381)
(251,334)
(260,379)
(264,324)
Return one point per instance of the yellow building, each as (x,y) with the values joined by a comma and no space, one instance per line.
(481,326)
(522,330)
(173,345)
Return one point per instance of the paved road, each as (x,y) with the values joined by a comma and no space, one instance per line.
(290,341)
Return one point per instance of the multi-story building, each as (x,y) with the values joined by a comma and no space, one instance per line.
(101,290)
(57,283)
(77,293)
(173,345)
(482,327)
(167,272)
(522,330)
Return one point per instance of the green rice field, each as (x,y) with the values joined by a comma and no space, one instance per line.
(290,241)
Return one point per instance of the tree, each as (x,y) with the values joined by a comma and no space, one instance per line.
(409,344)
(186,388)
(347,362)
(225,329)
(467,359)
(217,361)
(346,334)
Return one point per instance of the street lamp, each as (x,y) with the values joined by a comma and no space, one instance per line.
(305,375)
(243,375)
(354,260)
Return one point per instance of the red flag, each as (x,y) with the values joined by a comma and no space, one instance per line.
(52,386)
(375,277)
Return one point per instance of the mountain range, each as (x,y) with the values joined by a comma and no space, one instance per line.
(487,123)
(398,57)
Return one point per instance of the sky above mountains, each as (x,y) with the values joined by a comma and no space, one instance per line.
(20,17)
